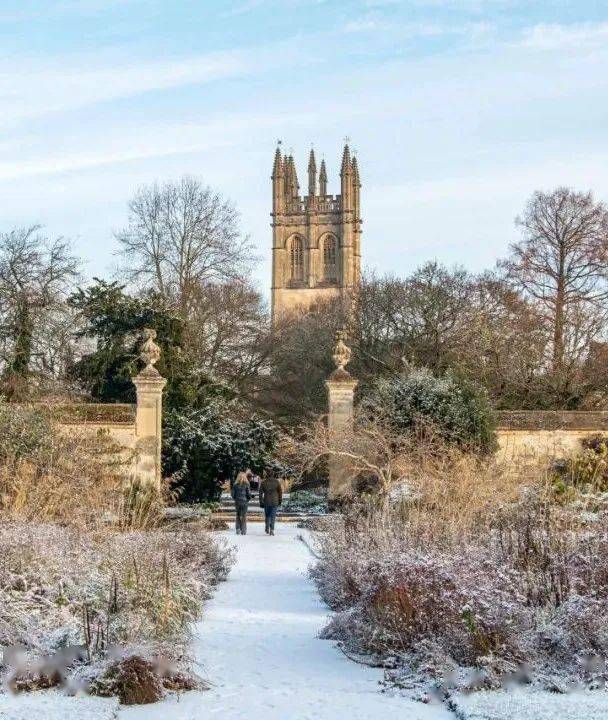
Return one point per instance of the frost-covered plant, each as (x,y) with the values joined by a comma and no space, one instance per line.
(62,587)
(312,502)
(24,433)
(518,583)
(584,472)
(458,412)
(203,448)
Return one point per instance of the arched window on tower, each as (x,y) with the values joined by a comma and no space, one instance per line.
(296,259)
(330,259)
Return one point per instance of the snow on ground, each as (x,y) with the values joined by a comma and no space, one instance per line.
(530,705)
(53,705)
(258,645)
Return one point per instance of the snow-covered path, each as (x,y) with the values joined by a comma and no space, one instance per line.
(258,645)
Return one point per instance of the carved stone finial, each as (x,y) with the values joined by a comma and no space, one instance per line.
(150,352)
(342,353)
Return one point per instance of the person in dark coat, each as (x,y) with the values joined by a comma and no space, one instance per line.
(271,496)
(241,493)
(254,480)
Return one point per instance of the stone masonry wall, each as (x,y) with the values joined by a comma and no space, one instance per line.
(117,420)
(528,440)
(89,419)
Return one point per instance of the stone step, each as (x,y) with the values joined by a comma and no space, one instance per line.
(255,511)
(229,518)
(227,508)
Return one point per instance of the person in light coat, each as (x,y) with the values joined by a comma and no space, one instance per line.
(241,494)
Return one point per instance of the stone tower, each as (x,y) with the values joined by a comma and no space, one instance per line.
(316,239)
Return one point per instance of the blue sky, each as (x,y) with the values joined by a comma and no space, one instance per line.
(458,111)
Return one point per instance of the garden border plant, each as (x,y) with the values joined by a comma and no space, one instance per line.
(470,577)
(90,566)
(457,411)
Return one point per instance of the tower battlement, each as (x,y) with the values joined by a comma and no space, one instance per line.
(307,203)
(316,249)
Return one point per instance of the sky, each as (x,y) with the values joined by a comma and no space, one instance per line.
(458,111)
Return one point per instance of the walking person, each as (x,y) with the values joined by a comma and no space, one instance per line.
(241,494)
(271,496)
(254,480)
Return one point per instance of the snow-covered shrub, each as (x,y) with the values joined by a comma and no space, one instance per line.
(61,587)
(312,502)
(517,584)
(579,628)
(457,412)
(203,448)
(133,680)
(136,680)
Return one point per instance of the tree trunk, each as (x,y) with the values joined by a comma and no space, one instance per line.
(23,338)
(559,319)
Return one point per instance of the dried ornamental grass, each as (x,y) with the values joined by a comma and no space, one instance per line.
(61,587)
(453,576)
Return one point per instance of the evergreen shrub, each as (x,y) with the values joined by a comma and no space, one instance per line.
(204,448)
(457,411)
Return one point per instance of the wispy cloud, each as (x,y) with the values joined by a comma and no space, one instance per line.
(417,29)
(366,24)
(42,88)
(250,6)
(554,36)
(32,11)
(469,5)
(68,83)
(243,8)
(152,141)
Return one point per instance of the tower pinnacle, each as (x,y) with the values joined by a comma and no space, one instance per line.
(346,177)
(312,175)
(323,179)
(346,163)
(277,168)
(292,186)
(355,167)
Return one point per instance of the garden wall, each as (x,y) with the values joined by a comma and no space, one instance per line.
(529,439)
(136,430)
(117,421)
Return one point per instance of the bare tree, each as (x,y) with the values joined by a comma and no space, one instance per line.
(228,333)
(562,263)
(180,236)
(299,362)
(36,275)
(367,450)
(507,345)
(423,319)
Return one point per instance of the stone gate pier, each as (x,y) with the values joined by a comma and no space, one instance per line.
(149,385)
(341,388)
